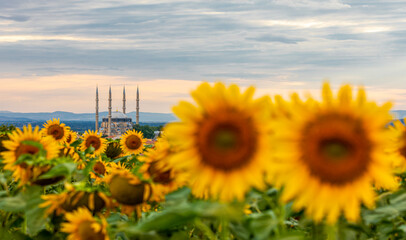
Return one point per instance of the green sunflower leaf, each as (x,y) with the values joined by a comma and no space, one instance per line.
(63,169)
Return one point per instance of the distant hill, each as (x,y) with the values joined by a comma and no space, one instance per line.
(12,119)
(77,126)
(7,116)
(145,117)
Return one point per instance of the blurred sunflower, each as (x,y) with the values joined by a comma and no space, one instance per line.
(73,199)
(137,209)
(398,144)
(98,171)
(132,142)
(113,150)
(94,139)
(164,179)
(336,148)
(114,166)
(126,188)
(156,168)
(54,203)
(82,225)
(223,142)
(69,150)
(71,136)
(55,129)
(18,146)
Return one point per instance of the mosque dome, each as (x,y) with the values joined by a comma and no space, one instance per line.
(118,117)
(118,114)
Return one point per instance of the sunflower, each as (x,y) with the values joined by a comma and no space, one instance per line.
(132,142)
(331,154)
(398,144)
(82,225)
(69,150)
(112,166)
(126,188)
(71,136)
(223,142)
(16,147)
(156,168)
(55,129)
(164,179)
(137,209)
(113,150)
(99,170)
(94,139)
(73,199)
(54,203)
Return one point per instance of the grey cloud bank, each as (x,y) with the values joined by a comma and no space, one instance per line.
(252,42)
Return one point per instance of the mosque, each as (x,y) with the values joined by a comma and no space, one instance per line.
(116,123)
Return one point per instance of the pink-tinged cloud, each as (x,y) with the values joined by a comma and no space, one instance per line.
(76,93)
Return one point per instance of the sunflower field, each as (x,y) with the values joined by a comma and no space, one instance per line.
(233,166)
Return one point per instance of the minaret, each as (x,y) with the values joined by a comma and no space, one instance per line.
(109,122)
(124,99)
(97,108)
(138,108)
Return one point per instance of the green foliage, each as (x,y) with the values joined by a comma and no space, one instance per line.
(260,216)
(27,202)
(4,130)
(148,131)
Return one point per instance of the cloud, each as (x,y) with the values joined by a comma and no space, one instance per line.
(328,4)
(344,36)
(76,93)
(276,38)
(16,18)
(256,42)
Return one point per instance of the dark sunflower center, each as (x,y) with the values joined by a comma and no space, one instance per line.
(402,150)
(133,142)
(336,148)
(85,231)
(56,131)
(113,150)
(227,140)
(25,149)
(99,168)
(159,176)
(93,141)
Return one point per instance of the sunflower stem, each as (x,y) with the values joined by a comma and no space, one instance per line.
(340,230)
(331,232)
(282,213)
(317,231)
(205,229)
(225,233)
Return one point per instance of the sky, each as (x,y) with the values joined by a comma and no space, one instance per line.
(53,54)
